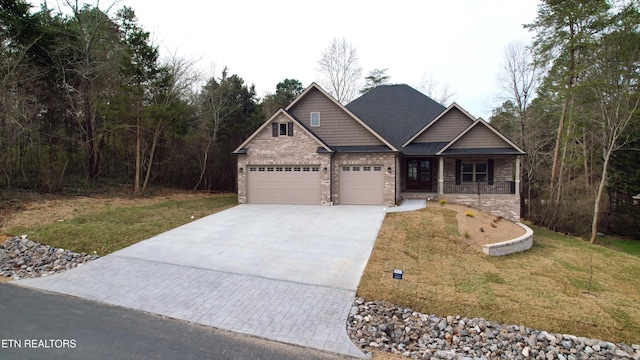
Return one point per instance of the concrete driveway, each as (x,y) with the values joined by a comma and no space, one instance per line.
(282,272)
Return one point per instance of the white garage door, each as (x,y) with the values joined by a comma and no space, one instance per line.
(284,185)
(361,185)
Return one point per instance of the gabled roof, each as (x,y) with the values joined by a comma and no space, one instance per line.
(512,149)
(374,132)
(395,111)
(242,150)
(437,118)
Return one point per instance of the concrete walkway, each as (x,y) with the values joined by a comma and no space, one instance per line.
(284,273)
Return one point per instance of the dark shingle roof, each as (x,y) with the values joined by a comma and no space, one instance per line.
(423,149)
(396,112)
(362,149)
(483,151)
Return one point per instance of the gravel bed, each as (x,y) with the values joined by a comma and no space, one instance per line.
(22,258)
(384,326)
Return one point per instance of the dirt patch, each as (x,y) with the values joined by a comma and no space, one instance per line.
(483,228)
(52,209)
(3,279)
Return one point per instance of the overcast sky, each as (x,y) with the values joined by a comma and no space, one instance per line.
(458,42)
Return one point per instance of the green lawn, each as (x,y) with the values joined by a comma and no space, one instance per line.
(563,284)
(109,229)
(629,246)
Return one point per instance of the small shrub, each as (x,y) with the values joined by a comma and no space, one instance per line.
(469,214)
(443,202)
(493,225)
(497,219)
(466,235)
(481,229)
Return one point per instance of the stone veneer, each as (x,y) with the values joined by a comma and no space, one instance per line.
(386,160)
(507,206)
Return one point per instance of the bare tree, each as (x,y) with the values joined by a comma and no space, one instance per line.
(175,85)
(614,83)
(518,79)
(340,70)
(431,87)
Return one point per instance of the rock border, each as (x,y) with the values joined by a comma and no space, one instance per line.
(22,258)
(519,244)
(402,331)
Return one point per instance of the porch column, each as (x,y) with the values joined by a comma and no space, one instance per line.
(441,175)
(517,175)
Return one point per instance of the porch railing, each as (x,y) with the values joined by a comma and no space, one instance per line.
(496,187)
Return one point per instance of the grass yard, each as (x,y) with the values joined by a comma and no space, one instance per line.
(547,287)
(629,246)
(105,225)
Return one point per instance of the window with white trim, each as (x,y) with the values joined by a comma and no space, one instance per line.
(315,119)
(474,171)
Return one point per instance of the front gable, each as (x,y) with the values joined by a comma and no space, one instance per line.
(478,138)
(281,133)
(333,123)
(444,128)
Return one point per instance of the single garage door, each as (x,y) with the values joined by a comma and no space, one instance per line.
(361,185)
(284,185)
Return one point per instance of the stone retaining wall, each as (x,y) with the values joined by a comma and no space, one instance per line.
(507,206)
(519,244)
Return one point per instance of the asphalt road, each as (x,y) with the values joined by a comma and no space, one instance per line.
(41,325)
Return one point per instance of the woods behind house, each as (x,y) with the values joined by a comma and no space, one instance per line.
(86,99)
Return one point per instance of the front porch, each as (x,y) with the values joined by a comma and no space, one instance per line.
(490,184)
(471,175)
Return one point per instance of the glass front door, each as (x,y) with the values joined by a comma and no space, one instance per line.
(419,174)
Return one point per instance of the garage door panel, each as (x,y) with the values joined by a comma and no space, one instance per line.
(284,185)
(361,185)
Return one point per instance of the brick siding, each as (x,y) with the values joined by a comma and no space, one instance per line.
(299,149)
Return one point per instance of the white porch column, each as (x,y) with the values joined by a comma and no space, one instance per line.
(441,175)
(517,175)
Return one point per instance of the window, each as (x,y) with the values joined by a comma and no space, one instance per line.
(252,169)
(315,119)
(269,169)
(367,168)
(356,168)
(287,169)
(345,168)
(282,129)
(260,169)
(377,168)
(278,169)
(296,168)
(315,169)
(474,172)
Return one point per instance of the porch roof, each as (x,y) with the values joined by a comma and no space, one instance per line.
(361,149)
(482,151)
(423,149)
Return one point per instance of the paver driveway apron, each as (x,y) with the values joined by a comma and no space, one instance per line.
(282,272)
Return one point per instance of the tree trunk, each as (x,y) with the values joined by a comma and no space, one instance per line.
(563,115)
(90,136)
(596,206)
(136,181)
(156,136)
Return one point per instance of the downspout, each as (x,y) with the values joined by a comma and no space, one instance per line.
(331,178)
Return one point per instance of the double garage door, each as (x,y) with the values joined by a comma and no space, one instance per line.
(277,184)
(284,185)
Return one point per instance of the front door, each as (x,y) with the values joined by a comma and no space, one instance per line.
(419,174)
